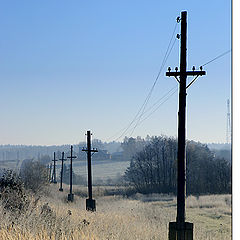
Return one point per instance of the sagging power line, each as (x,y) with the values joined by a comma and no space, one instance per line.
(141,110)
(157,104)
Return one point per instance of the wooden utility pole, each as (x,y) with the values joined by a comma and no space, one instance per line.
(90,203)
(54,168)
(180,229)
(62,159)
(50,172)
(71,195)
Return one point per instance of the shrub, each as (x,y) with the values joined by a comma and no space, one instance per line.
(34,176)
(12,193)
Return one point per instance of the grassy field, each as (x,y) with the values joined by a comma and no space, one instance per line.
(135,218)
(101,169)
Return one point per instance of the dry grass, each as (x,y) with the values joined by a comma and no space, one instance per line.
(141,217)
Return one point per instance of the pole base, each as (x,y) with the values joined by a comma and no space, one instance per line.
(60,189)
(91,205)
(180,231)
(70,197)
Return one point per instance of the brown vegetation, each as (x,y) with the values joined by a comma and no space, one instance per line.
(138,217)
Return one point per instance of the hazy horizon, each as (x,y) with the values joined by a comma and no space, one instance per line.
(64,144)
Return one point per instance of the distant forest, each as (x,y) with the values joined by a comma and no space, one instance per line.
(121,151)
(153,163)
(21,152)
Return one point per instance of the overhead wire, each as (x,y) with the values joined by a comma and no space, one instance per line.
(214,59)
(158,107)
(221,55)
(142,108)
(166,96)
(174,88)
(143,113)
(163,64)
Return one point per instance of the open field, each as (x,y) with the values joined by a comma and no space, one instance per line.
(138,217)
(101,169)
(104,169)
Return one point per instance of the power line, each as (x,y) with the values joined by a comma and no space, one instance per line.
(164,61)
(174,88)
(150,93)
(221,55)
(148,96)
(143,113)
(142,108)
(159,100)
(159,105)
(156,108)
(166,96)
(161,68)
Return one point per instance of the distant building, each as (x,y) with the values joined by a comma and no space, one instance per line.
(102,155)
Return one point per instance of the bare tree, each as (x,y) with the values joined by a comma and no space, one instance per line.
(153,169)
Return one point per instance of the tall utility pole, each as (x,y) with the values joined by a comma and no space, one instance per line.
(228,131)
(90,203)
(71,195)
(180,229)
(62,159)
(54,168)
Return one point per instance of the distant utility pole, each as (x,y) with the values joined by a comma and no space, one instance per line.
(62,159)
(54,168)
(71,195)
(180,229)
(90,203)
(50,172)
(228,132)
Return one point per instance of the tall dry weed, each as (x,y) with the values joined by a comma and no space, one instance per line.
(136,218)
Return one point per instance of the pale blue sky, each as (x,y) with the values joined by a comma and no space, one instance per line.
(70,66)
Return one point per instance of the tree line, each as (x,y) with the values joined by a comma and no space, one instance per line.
(153,169)
(17,152)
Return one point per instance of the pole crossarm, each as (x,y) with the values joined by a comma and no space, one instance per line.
(188,73)
(93,150)
(72,157)
(63,159)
